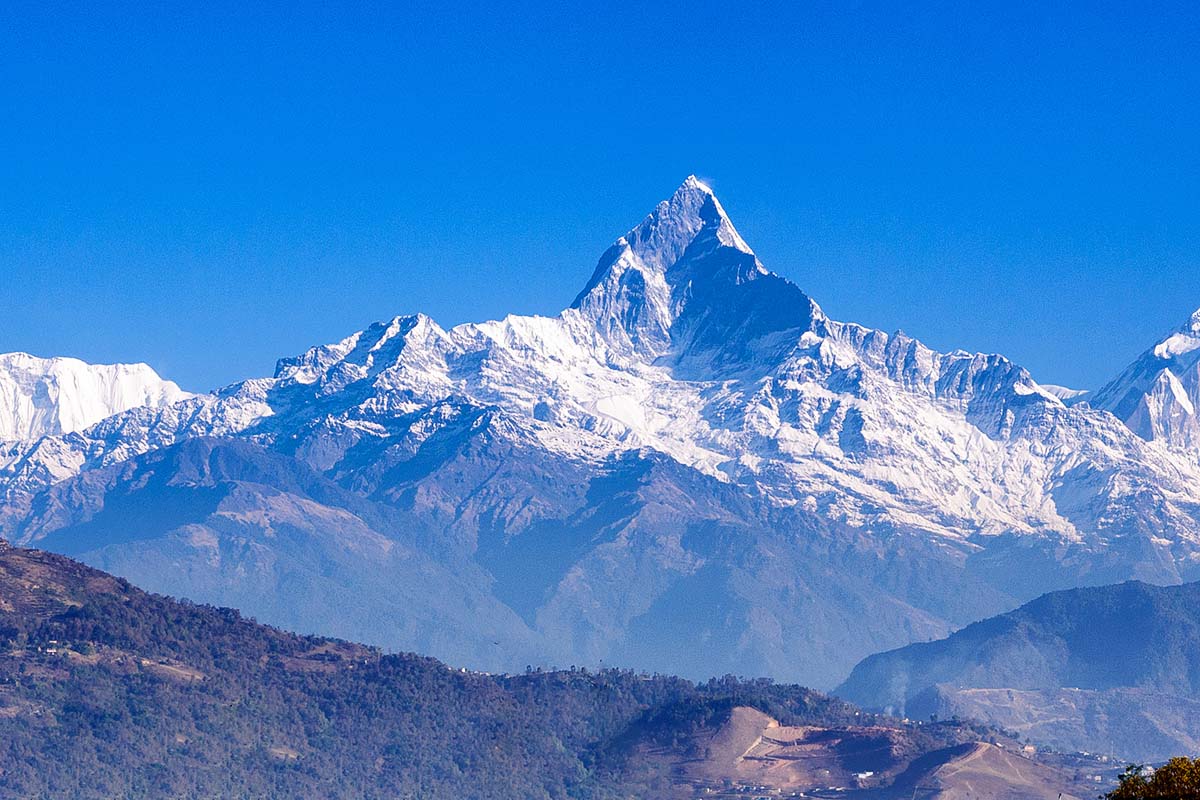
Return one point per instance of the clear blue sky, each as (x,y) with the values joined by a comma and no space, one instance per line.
(211,189)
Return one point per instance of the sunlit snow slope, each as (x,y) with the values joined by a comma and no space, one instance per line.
(50,396)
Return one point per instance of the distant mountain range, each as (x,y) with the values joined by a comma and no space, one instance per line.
(691,469)
(106,691)
(1112,669)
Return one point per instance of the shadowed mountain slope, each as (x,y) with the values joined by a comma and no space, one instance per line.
(1106,669)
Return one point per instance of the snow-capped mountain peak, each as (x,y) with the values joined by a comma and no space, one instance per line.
(692,215)
(1184,340)
(51,396)
(1157,395)
(680,277)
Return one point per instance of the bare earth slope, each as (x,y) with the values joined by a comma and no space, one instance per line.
(752,752)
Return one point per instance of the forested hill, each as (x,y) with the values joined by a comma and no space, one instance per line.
(108,691)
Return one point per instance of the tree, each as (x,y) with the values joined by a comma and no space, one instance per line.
(1178,779)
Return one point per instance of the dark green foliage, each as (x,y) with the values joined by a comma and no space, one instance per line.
(1178,779)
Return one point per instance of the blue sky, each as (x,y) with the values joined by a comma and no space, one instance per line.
(208,190)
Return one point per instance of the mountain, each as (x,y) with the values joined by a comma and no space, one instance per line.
(691,469)
(107,691)
(52,396)
(1157,395)
(1104,669)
